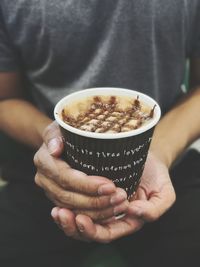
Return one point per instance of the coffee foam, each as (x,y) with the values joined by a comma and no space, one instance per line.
(107,114)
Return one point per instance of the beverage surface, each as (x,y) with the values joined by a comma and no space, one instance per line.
(107,114)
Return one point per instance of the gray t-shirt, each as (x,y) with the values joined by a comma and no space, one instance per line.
(67,45)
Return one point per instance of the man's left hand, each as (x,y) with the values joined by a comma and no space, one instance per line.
(154,197)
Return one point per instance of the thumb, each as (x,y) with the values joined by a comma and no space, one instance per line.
(53,139)
(55,146)
(150,210)
(145,210)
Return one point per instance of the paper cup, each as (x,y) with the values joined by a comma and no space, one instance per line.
(117,156)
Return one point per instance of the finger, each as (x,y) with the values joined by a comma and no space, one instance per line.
(53,139)
(75,200)
(103,216)
(158,203)
(68,178)
(45,163)
(66,221)
(108,213)
(107,232)
(141,194)
(54,213)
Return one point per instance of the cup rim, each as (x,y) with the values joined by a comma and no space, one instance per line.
(107,91)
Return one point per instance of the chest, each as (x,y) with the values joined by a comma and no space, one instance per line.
(65,26)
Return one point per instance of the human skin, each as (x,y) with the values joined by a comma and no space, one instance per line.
(155,195)
(95,196)
(82,209)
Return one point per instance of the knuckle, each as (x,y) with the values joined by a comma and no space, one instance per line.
(100,216)
(36,159)
(55,176)
(149,217)
(66,198)
(37,180)
(96,203)
(154,216)
(122,192)
(173,197)
(46,132)
(60,196)
(100,202)
(62,176)
(51,131)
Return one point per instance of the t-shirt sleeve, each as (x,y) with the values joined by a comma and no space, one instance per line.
(8,55)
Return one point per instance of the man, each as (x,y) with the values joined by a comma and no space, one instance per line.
(50,49)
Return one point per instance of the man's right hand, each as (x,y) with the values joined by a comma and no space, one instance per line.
(94,196)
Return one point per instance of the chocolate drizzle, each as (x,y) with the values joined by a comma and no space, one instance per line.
(107,117)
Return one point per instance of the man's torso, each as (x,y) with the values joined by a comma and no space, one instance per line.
(69,45)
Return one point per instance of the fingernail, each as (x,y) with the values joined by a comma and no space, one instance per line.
(106,189)
(120,216)
(54,213)
(116,211)
(63,219)
(118,198)
(53,145)
(120,209)
(81,228)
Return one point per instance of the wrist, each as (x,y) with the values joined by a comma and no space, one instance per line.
(177,129)
(168,146)
(42,124)
(164,147)
(162,154)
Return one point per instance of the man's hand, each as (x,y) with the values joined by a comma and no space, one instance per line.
(154,197)
(94,196)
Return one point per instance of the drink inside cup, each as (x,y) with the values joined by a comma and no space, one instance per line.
(107,132)
(107,114)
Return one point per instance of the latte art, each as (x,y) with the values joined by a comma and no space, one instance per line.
(107,114)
